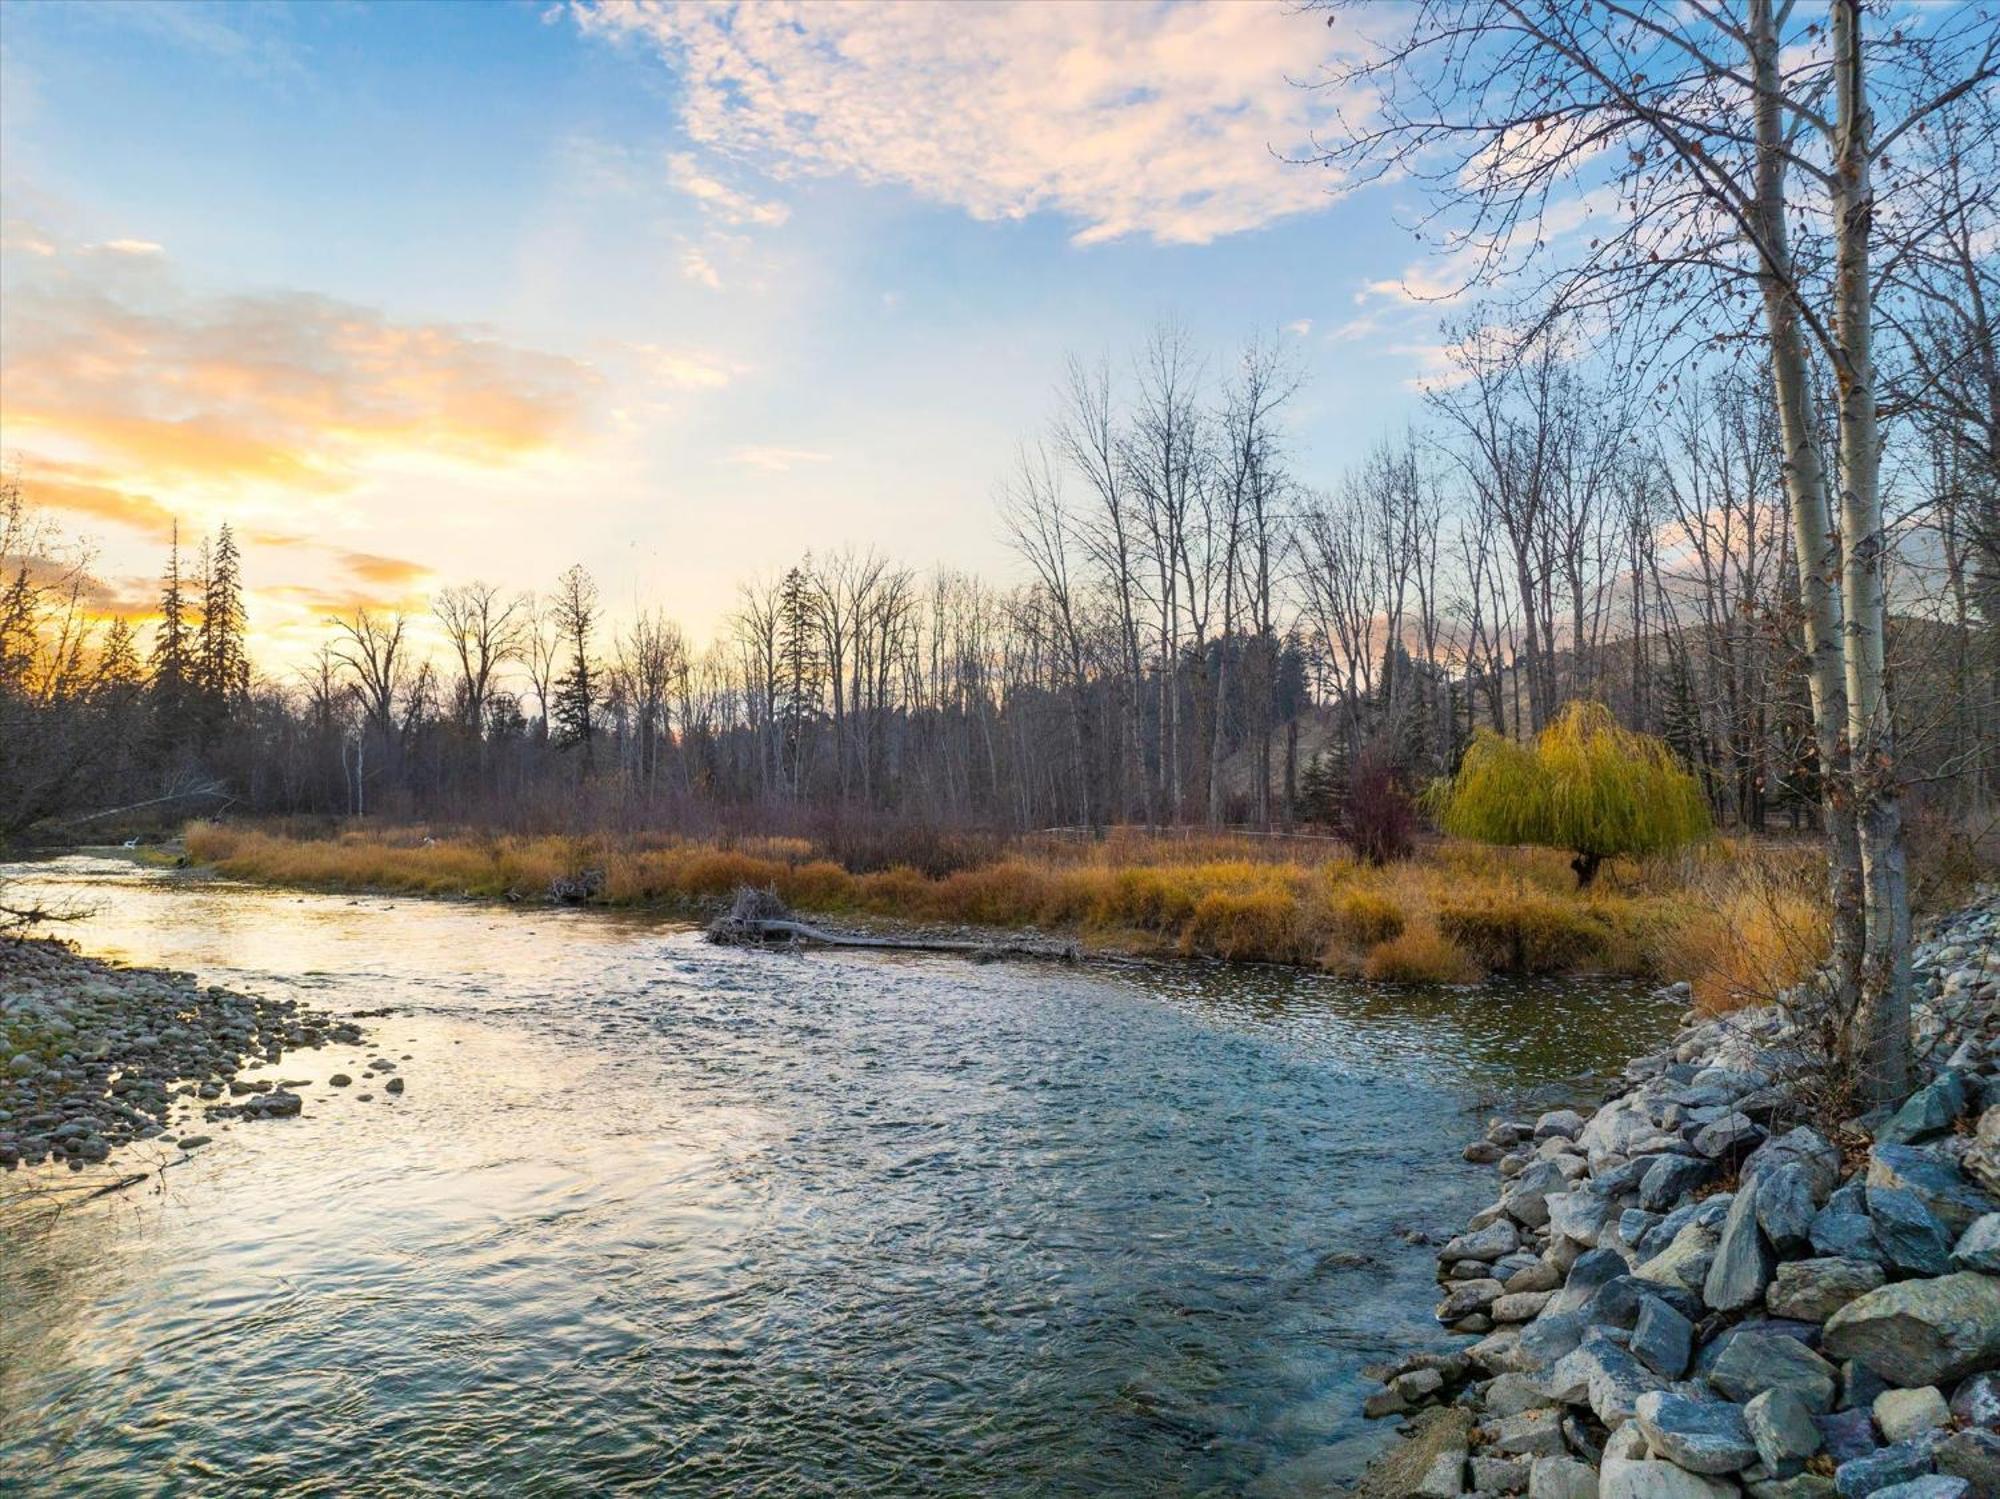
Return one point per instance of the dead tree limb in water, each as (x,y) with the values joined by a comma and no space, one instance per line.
(757,918)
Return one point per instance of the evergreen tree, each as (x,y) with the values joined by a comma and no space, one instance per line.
(222,664)
(799,670)
(576,691)
(172,655)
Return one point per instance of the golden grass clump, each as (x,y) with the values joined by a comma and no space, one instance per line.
(1364,917)
(1420,954)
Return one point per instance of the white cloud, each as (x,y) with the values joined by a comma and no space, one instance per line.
(131,246)
(1300,327)
(698,267)
(1128,118)
(777,460)
(718,198)
(685,369)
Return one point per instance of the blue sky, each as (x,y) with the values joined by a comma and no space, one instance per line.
(487,289)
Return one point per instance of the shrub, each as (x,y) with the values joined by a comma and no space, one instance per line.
(1586,785)
(1364,917)
(1381,822)
(1523,932)
(1260,925)
(1420,955)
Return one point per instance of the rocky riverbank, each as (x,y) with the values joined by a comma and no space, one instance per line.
(95,1056)
(1693,1293)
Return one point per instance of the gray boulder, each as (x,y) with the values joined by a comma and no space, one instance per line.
(1935,1179)
(1662,1339)
(1881,1470)
(1919,1332)
(1978,1248)
(1912,1239)
(1489,1243)
(1974,1455)
(1905,1415)
(1976,1402)
(1622,1478)
(1813,1290)
(1785,1207)
(1931,1486)
(1781,1424)
(1561,1478)
(1931,1110)
(1743,1262)
(1670,1178)
(1703,1436)
(1757,1360)
(1843,1229)
(1730,1138)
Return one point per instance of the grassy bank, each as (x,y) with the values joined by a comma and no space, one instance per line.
(1737,920)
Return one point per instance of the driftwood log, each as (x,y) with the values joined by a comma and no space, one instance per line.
(758,918)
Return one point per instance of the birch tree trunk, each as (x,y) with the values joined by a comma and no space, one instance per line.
(1885,967)
(1812,523)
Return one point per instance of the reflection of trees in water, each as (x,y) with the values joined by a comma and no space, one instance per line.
(1503,1033)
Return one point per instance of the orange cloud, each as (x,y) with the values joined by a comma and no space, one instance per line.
(82,489)
(110,361)
(388,571)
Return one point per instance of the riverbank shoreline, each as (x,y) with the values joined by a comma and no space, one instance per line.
(1736,919)
(97,1057)
(1705,1288)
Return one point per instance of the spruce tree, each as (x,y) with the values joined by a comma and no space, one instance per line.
(223,661)
(171,659)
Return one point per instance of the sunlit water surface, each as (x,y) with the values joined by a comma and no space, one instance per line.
(656,1217)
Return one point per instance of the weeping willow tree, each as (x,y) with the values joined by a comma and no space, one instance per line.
(1586,784)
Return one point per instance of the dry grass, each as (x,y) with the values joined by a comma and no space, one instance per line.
(1735,919)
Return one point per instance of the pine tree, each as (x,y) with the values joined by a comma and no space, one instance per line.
(576,692)
(171,663)
(222,665)
(799,669)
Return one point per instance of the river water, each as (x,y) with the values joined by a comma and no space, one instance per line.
(657,1217)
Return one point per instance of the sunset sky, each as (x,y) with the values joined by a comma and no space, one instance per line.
(421,292)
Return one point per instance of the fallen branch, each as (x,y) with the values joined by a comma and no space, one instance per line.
(757,918)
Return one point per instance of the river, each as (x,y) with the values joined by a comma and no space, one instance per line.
(659,1217)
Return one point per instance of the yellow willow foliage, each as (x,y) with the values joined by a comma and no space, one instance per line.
(1586,784)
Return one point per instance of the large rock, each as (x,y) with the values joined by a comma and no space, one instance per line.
(1662,1339)
(1604,1376)
(1703,1436)
(1978,1248)
(1931,1110)
(1913,1240)
(1489,1243)
(1730,1138)
(1974,1455)
(1561,1478)
(1785,1206)
(1930,1486)
(1804,1147)
(1526,1199)
(1976,1402)
(1578,1215)
(1781,1424)
(1757,1360)
(1670,1178)
(1919,1332)
(1842,1229)
(1935,1179)
(1685,1262)
(1905,1415)
(1743,1262)
(1813,1290)
(1862,1476)
(1621,1478)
